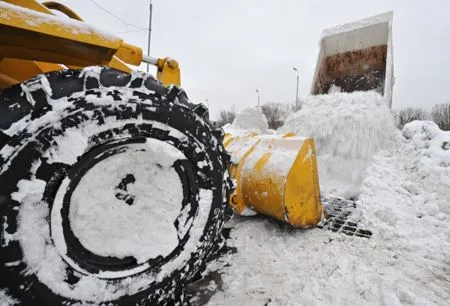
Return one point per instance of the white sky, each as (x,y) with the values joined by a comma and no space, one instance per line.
(229,48)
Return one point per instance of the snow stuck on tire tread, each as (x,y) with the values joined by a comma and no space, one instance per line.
(111,106)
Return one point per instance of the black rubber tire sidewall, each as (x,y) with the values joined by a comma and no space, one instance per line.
(166,106)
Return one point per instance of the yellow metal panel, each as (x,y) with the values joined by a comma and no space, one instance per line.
(276,176)
(168,71)
(27,20)
(30,4)
(31,35)
(116,63)
(6,81)
(241,148)
(129,54)
(30,32)
(21,70)
(302,193)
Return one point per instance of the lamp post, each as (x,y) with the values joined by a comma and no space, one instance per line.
(149,33)
(296,93)
(257,92)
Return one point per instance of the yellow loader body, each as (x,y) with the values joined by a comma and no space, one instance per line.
(33,41)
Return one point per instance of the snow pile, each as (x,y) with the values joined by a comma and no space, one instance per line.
(348,129)
(249,120)
(429,152)
(404,201)
(407,191)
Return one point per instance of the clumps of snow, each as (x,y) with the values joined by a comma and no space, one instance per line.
(68,147)
(38,82)
(429,150)
(348,129)
(27,188)
(143,227)
(6,300)
(407,191)
(249,120)
(6,237)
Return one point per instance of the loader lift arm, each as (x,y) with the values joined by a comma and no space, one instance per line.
(32,42)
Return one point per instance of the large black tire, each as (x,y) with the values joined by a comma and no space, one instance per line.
(42,262)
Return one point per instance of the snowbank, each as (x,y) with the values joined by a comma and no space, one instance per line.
(406,192)
(348,129)
(249,120)
(404,201)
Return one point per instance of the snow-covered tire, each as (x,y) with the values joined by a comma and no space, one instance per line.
(71,143)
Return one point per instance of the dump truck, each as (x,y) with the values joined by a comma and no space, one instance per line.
(356,56)
(113,184)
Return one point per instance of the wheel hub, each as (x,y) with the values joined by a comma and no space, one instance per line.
(119,209)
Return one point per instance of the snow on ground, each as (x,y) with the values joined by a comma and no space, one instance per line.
(348,129)
(403,200)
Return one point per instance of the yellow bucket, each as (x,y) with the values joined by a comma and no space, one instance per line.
(276,176)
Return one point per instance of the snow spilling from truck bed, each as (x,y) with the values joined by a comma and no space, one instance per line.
(404,201)
(348,129)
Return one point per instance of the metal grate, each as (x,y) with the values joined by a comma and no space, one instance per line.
(339,211)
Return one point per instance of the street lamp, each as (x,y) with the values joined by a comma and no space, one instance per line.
(296,94)
(149,32)
(257,92)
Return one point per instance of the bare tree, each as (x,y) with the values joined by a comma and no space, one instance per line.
(226,116)
(275,113)
(440,114)
(409,114)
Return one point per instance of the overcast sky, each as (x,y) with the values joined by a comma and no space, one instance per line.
(227,49)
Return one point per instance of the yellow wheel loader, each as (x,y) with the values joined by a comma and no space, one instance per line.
(113,185)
